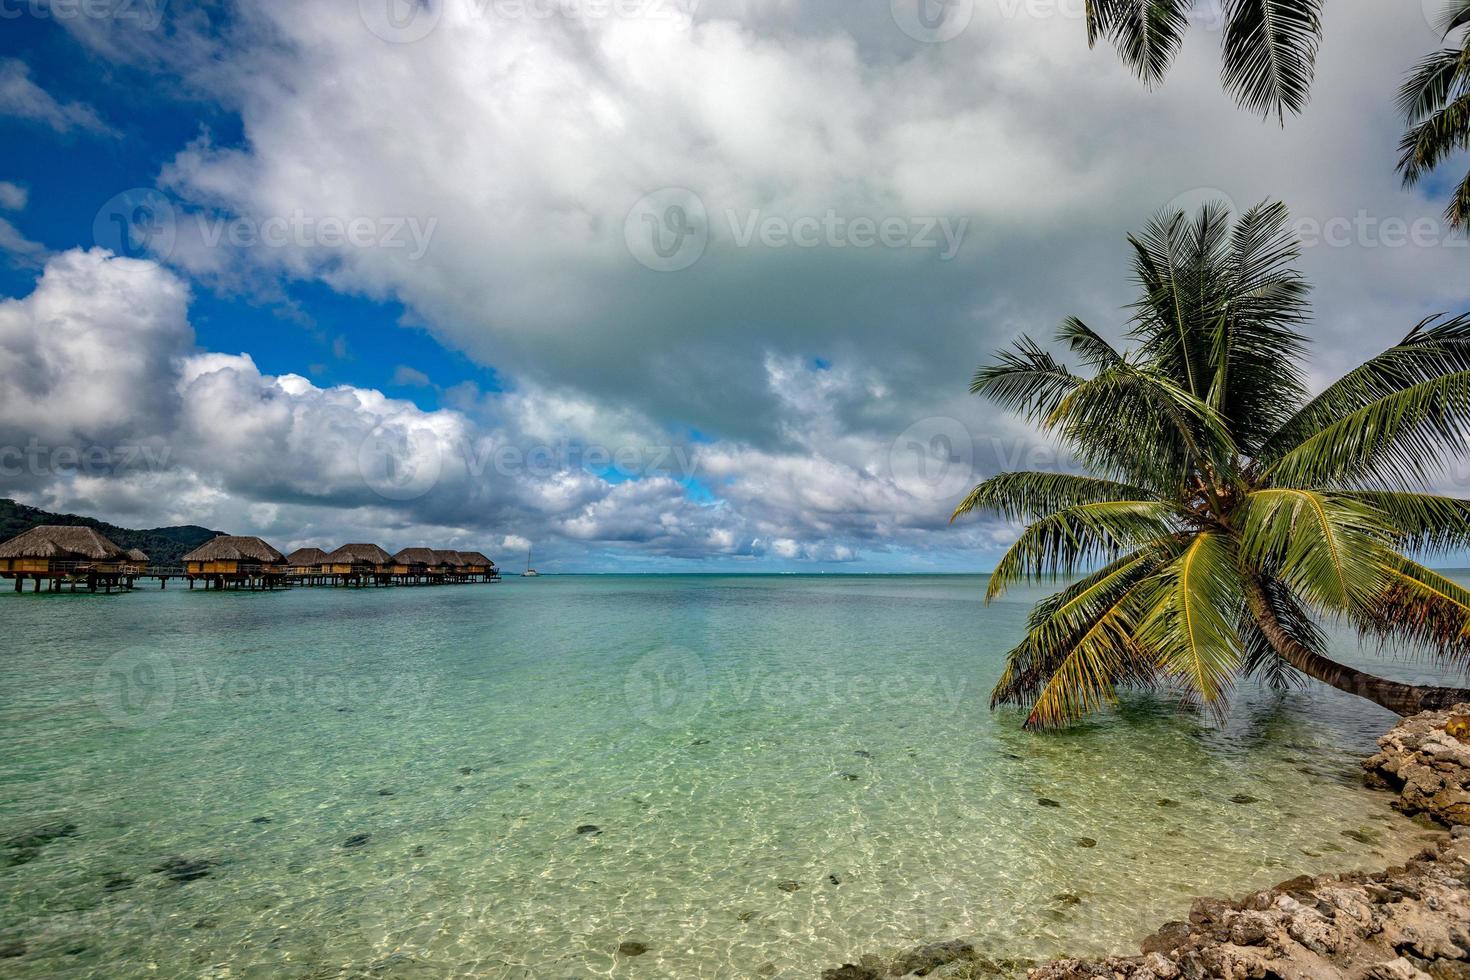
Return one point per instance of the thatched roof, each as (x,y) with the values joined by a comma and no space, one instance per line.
(448,558)
(476,558)
(359,554)
(231,547)
(416,556)
(53,541)
(137,554)
(306,557)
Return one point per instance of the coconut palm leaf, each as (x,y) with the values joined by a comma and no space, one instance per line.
(1255,347)
(1269,49)
(1138,426)
(1027,496)
(1433,137)
(1422,610)
(1063,543)
(1399,440)
(1147,33)
(1026,380)
(1260,657)
(1195,605)
(1423,523)
(1077,650)
(1325,549)
(1271,53)
(1095,352)
(1435,101)
(1435,348)
(1436,81)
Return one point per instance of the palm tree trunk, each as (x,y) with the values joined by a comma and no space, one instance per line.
(1401,699)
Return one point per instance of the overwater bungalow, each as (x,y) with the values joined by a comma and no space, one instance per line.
(478,567)
(359,564)
(304,566)
(238,561)
(417,566)
(64,554)
(450,565)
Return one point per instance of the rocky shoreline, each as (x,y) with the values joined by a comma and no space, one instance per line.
(1410,922)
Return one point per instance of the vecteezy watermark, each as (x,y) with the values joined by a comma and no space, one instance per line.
(1368,230)
(134,687)
(401,21)
(39,459)
(670,686)
(137,224)
(932,21)
(933,459)
(405,459)
(400,460)
(147,14)
(143,223)
(670,230)
(138,687)
(407,21)
(301,230)
(666,687)
(545,460)
(667,230)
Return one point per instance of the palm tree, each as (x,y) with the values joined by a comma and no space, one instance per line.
(1435,101)
(1227,511)
(1269,48)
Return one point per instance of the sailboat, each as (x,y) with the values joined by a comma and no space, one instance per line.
(529,572)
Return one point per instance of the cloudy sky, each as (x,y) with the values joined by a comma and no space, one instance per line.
(651,284)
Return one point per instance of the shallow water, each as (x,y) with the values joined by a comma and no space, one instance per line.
(724,736)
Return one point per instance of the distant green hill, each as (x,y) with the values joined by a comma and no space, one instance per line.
(164,545)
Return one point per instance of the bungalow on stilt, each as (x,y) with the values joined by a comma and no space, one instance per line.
(64,554)
(239,561)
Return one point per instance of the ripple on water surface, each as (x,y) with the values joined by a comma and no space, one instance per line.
(567,777)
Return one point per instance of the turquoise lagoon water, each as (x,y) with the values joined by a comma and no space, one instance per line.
(404,782)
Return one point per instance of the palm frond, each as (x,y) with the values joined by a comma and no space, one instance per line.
(1063,543)
(1261,659)
(1456,15)
(1178,263)
(1027,496)
(1399,440)
(1436,81)
(1136,425)
(1025,379)
(1270,53)
(1195,606)
(1421,522)
(1147,33)
(1457,212)
(1420,608)
(1327,550)
(1078,646)
(1436,347)
(1085,342)
(1438,135)
(1255,347)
